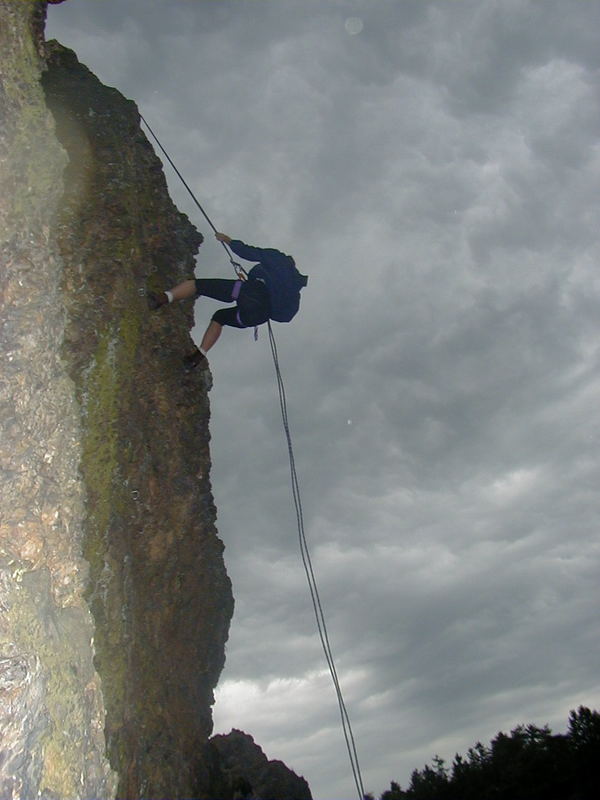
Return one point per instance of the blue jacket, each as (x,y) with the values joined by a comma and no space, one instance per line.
(279,274)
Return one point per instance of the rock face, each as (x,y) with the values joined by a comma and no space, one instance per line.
(243,771)
(51,710)
(106,502)
(158,589)
(114,599)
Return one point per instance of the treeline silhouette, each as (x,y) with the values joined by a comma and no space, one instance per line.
(529,764)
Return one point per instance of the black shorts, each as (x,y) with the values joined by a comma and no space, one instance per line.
(251,296)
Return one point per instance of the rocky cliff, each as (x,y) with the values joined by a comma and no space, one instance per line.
(51,706)
(158,590)
(242,770)
(106,502)
(114,599)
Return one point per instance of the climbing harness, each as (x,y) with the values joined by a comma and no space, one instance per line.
(306,559)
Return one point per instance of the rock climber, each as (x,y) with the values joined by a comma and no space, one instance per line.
(271,291)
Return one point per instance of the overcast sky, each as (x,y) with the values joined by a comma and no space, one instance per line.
(434,168)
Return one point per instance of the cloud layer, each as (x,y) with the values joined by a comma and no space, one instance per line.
(436,176)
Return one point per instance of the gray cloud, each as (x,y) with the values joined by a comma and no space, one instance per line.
(436,176)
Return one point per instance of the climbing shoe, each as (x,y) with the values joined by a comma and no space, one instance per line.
(195,360)
(156,300)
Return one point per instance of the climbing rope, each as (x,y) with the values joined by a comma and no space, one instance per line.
(240,271)
(306,559)
(310,577)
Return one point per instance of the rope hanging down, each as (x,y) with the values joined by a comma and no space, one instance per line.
(306,559)
(310,576)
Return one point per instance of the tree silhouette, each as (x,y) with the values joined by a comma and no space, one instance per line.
(530,763)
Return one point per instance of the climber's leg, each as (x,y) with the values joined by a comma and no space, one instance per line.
(180,292)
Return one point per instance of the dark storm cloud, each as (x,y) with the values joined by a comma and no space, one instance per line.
(436,176)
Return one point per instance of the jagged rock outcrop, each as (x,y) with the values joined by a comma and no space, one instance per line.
(242,770)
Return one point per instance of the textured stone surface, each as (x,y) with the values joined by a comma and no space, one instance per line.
(159,592)
(51,713)
(243,771)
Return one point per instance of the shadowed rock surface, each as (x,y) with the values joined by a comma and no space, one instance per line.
(244,771)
